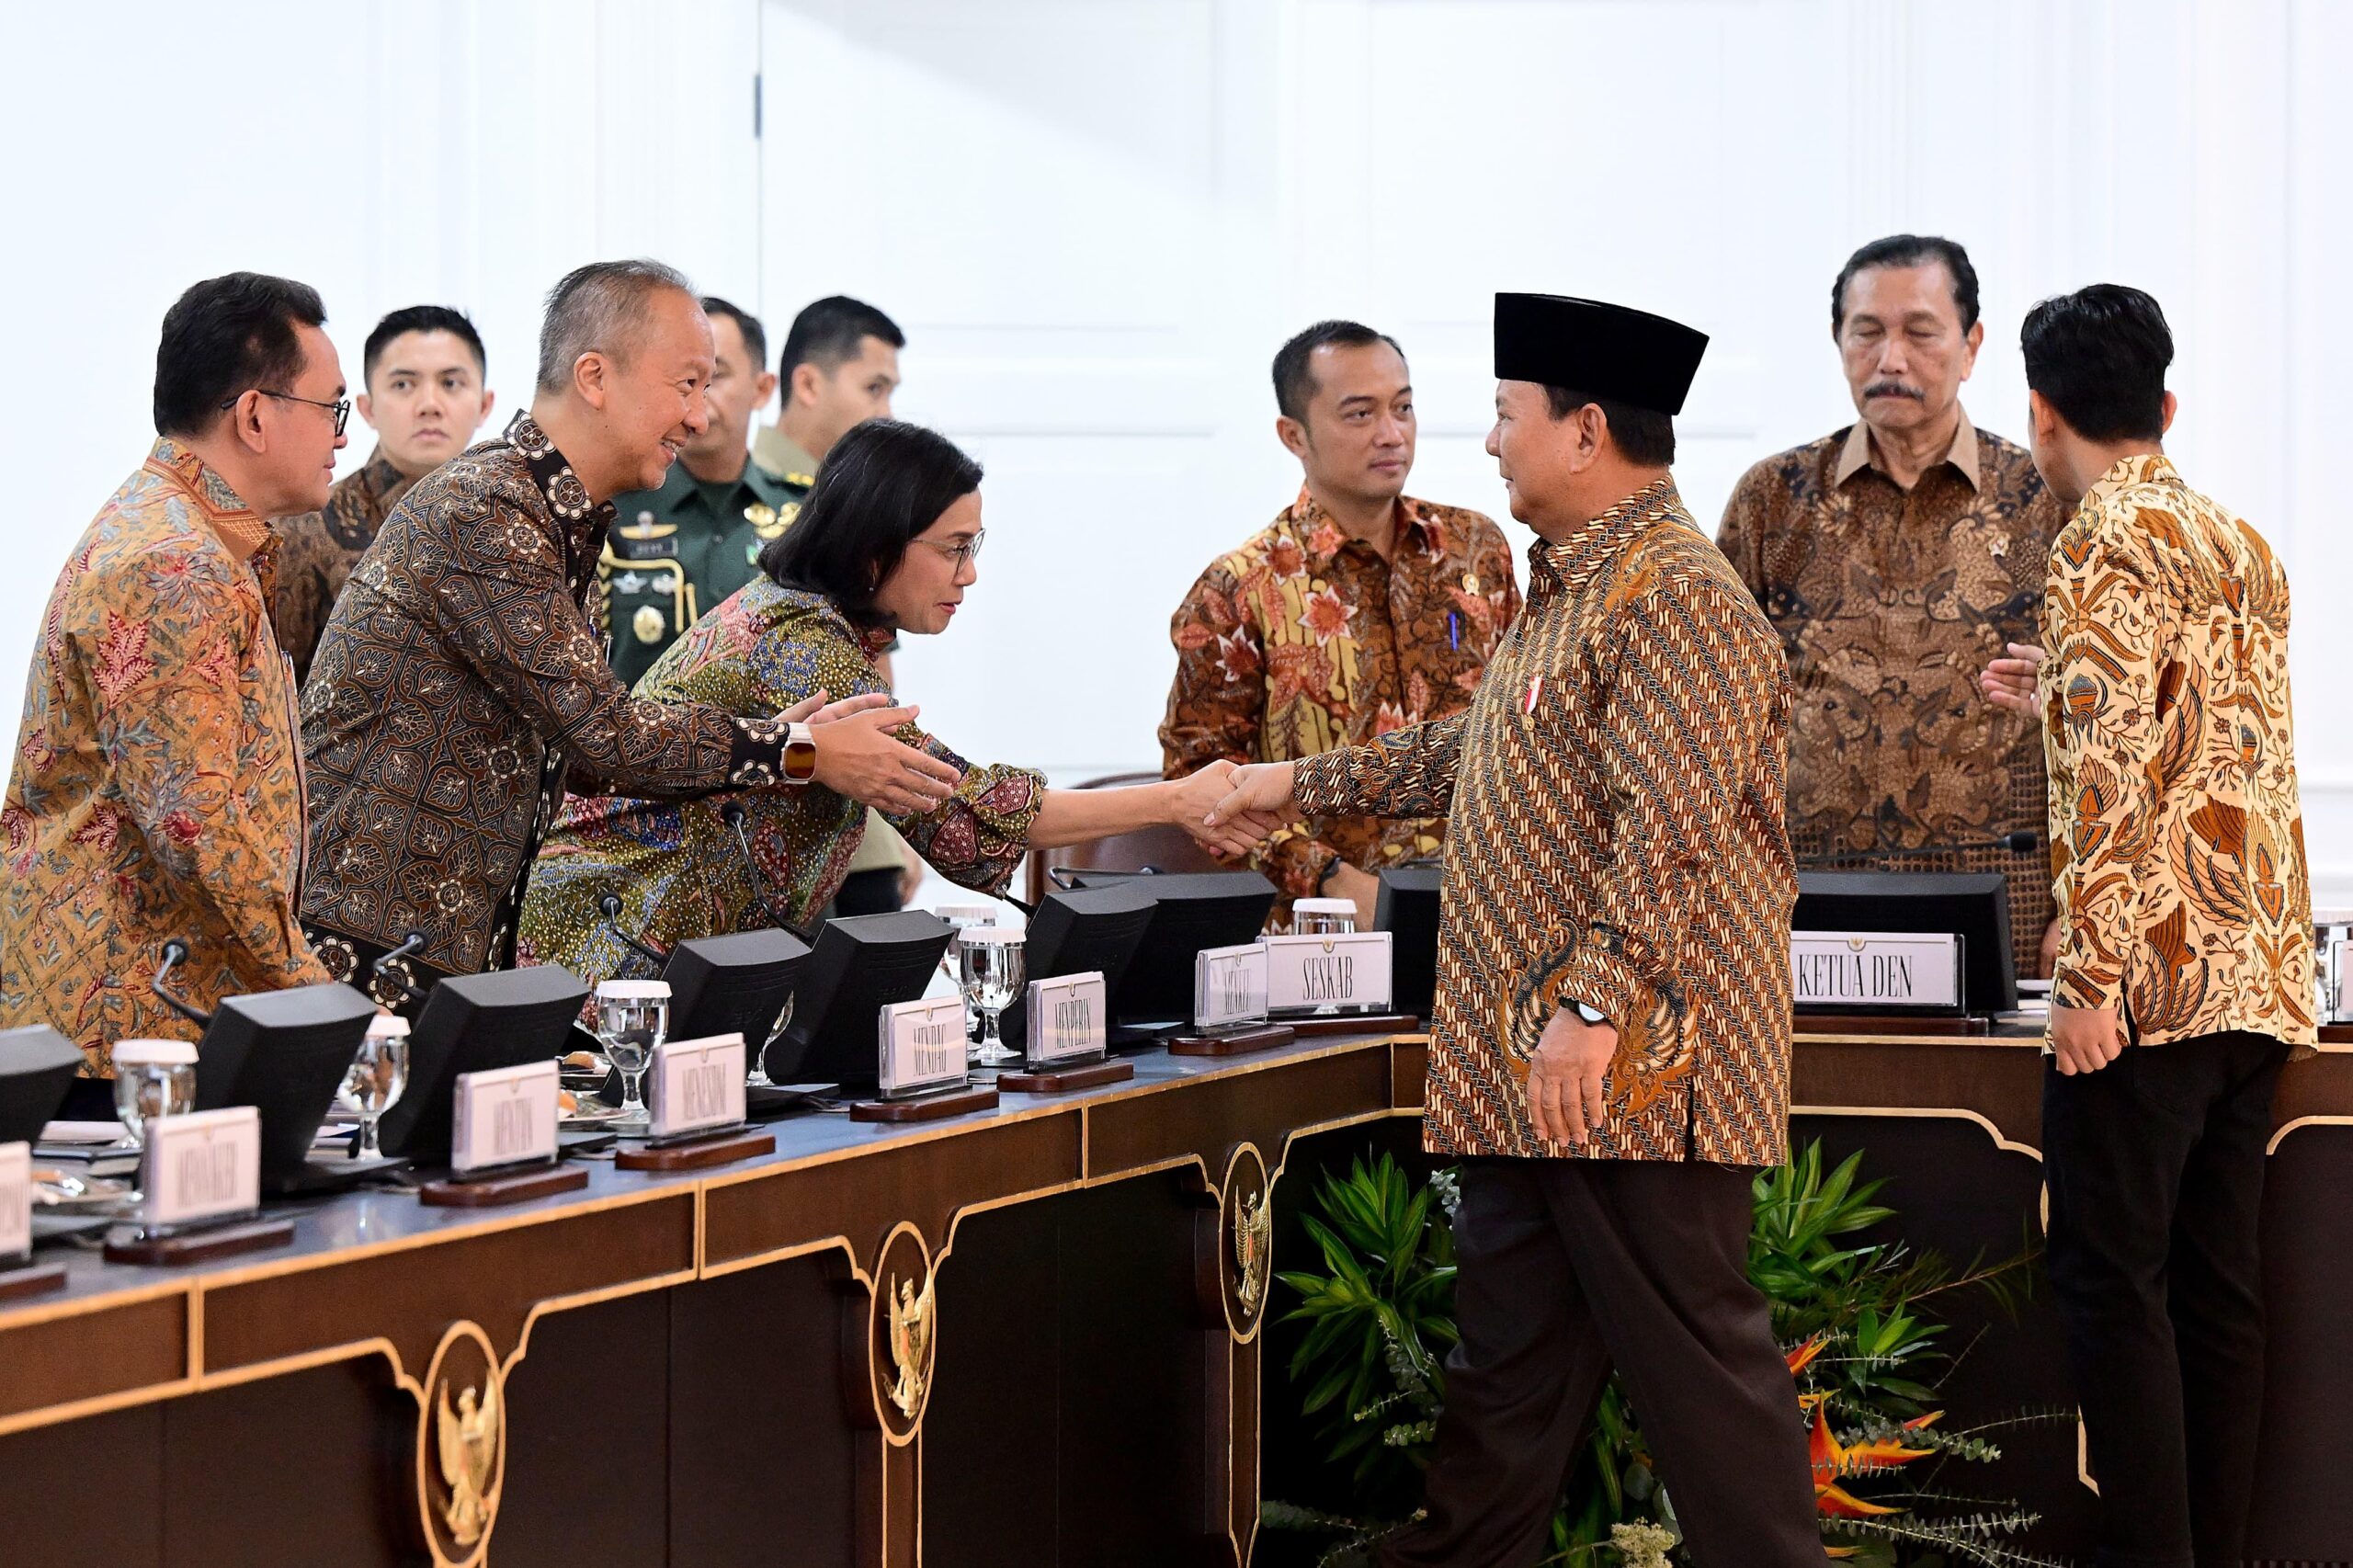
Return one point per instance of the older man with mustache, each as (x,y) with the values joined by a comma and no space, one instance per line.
(1896,558)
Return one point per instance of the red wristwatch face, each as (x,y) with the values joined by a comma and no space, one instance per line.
(800,759)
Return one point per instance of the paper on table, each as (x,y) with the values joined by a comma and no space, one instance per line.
(81,1132)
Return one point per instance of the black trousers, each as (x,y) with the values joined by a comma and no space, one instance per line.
(1568,1266)
(2155,1170)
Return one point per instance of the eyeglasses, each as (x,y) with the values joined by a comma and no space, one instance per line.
(340,407)
(961,554)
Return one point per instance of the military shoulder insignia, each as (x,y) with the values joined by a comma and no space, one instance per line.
(801,481)
(648,623)
(768,521)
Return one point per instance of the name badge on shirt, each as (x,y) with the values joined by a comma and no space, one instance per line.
(696,1084)
(1230,986)
(505,1117)
(16,1202)
(922,1046)
(1066,1020)
(1345,970)
(201,1165)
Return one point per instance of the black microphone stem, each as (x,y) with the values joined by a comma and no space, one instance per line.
(176,954)
(609,906)
(732,813)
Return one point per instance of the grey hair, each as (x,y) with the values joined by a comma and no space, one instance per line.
(597,309)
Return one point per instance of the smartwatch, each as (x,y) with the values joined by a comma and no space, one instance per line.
(799,753)
(1585,1010)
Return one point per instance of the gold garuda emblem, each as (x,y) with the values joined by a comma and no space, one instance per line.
(910,1323)
(467,1445)
(648,623)
(771,521)
(1253,1247)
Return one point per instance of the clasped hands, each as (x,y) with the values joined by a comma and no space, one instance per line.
(1205,806)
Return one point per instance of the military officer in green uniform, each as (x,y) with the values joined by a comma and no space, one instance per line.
(676,553)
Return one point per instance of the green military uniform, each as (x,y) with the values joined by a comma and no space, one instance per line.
(673,554)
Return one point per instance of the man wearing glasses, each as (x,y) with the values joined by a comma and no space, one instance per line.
(154,794)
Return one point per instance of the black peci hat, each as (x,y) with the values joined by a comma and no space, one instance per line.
(1601,350)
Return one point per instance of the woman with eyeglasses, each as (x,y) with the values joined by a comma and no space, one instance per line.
(886,545)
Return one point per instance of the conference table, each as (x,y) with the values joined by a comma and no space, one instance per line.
(1042,1334)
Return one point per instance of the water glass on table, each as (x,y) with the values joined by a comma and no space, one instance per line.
(372,1085)
(632,1018)
(1323,917)
(152,1078)
(989,971)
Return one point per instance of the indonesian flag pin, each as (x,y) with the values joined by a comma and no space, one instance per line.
(1535,689)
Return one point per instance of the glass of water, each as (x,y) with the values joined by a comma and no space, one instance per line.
(964,918)
(1323,917)
(632,1016)
(989,969)
(152,1078)
(373,1083)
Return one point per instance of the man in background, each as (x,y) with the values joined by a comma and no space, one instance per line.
(155,793)
(839,365)
(678,551)
(1894,557)
(1357,610)
(426,393)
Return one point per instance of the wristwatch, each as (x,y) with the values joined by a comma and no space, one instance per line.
(1585,1010)
(799,753)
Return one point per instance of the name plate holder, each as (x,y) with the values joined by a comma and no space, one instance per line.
(920,1071)
(1334,984)
(502,1140)
(1899,976)
(1069,1046)
(695,1102)
(19,1275)
(1230,1004)
(199,1184)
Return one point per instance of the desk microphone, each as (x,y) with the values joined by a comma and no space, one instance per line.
(2025,841)
(381,968)
(609,906)
(732,813)
(175,955)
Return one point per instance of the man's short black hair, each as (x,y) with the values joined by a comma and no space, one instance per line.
(755,337)
(1644,435)
(1909,250)
(884,483)
(227,336)
(2098,357)
(1294,383)
(829,332)
(422,318)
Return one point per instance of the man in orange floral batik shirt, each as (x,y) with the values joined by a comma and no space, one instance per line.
(1356,612)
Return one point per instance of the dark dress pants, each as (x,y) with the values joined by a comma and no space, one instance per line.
(2154,1164)
(1571,1266)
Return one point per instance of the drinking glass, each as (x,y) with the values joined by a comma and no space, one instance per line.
(372,1085)
(1323,917)
(632,1016)
(964,918)
(989,970)
(152,1078)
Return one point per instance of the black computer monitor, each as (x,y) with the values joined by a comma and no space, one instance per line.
(1075,933)
(1192,911)
(36,1068)
(284,1053)
(1972,905)
(472,1024)
(860,966)
(1408,909)
(734,984)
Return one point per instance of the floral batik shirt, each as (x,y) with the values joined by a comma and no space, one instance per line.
(676,865)
(156,790)
(2178,838)
(1304,640)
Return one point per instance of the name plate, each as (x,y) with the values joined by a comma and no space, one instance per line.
(201,1165)
(1066,1020)
(1230,986)
(1874,969)
(922,1046)
(1350,972)
(16,1202)
(695,1086)
(505,1117)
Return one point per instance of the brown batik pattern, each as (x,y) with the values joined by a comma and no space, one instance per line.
(2176,829)
(1615,835)
(318,550)
(1889,603)
(459,677)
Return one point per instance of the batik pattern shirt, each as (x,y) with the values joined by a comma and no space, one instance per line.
(460,677)
(676,867)
(1304,640)
(317,550)
(1889,603)
(1615,835)
(2178,838)
(155,793)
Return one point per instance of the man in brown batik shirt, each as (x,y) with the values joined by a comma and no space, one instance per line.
(1896,558)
